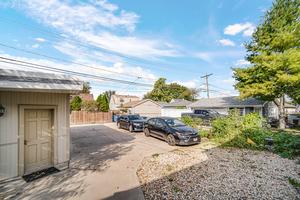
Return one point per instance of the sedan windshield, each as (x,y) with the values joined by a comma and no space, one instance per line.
(174,122)
(134,117)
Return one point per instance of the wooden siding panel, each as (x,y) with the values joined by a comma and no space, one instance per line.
(9,124)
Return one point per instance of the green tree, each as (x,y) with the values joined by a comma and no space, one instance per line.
(103,102)
(274,55)
(166,92)
(89,105)
(76,103)
(86,87)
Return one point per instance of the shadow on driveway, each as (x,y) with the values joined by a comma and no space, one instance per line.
(93,148)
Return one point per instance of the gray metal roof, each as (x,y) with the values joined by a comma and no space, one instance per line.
(177,103)
(16,80)
(225,102)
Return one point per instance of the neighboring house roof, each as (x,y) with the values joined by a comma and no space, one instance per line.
(145,100)
(17,80)
(124,96)
(225,102)
(130,104)
(84,96)
(177,103)
(122,99)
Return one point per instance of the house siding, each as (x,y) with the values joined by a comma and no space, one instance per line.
(9,127)
(174,112)
(147,108)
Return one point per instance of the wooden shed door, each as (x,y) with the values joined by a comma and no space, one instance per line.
(37,140)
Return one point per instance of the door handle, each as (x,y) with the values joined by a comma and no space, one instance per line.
(25,142)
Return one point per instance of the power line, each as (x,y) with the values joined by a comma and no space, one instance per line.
(67,61)
(89,45)
(47,68)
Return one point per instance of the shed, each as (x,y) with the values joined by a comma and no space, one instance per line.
(175,108)
(34,127)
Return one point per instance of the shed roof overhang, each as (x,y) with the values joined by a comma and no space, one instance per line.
(26,81)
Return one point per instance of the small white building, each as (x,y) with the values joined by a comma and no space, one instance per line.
(34,121)
(150,108)
(175,108)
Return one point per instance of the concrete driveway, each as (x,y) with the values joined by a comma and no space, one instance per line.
(103,166)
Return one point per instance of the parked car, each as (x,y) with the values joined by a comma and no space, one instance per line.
(206,115)
(172,130)
(131,122)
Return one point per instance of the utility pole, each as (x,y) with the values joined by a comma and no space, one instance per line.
(206,82)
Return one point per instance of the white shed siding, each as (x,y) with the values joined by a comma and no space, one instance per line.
(9,124)
(147,108)
(173,112)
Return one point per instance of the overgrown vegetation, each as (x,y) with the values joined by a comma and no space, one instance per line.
(249,132)
(90,106)
(193,122)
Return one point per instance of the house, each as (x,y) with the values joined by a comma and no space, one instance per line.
(117,101)
(146,107)
(34,121)
(84,96)
(150,108)
(175,108)
(223,104)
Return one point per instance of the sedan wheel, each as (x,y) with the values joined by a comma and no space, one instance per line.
(147,132)
(130,128)
(171,140)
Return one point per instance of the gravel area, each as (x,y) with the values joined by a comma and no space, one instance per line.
(218,173)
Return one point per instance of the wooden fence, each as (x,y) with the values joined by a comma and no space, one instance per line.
(84,117)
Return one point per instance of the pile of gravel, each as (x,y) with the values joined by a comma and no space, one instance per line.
(218,174)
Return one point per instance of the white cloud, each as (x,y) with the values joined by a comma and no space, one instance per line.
(100,24)
(242,62)
(40,39)
(226,42)
(35,46)
(130,45)
(189,84)
(64,15)
(246,28)
(211,56)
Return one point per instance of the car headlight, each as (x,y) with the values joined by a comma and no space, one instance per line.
(182,135)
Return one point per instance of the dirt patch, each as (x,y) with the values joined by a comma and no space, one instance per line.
(218,174)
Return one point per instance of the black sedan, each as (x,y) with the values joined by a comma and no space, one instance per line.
(172,130)
(131,122)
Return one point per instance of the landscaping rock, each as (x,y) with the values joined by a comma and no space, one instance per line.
(218,173)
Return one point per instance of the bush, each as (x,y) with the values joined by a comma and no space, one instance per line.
(249,132)
(193,122)
(205,133)
(253,121)
(90,106)
(76,103)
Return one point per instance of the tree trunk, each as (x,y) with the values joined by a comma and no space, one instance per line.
(281,113)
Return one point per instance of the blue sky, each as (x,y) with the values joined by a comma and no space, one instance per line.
(134,40)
